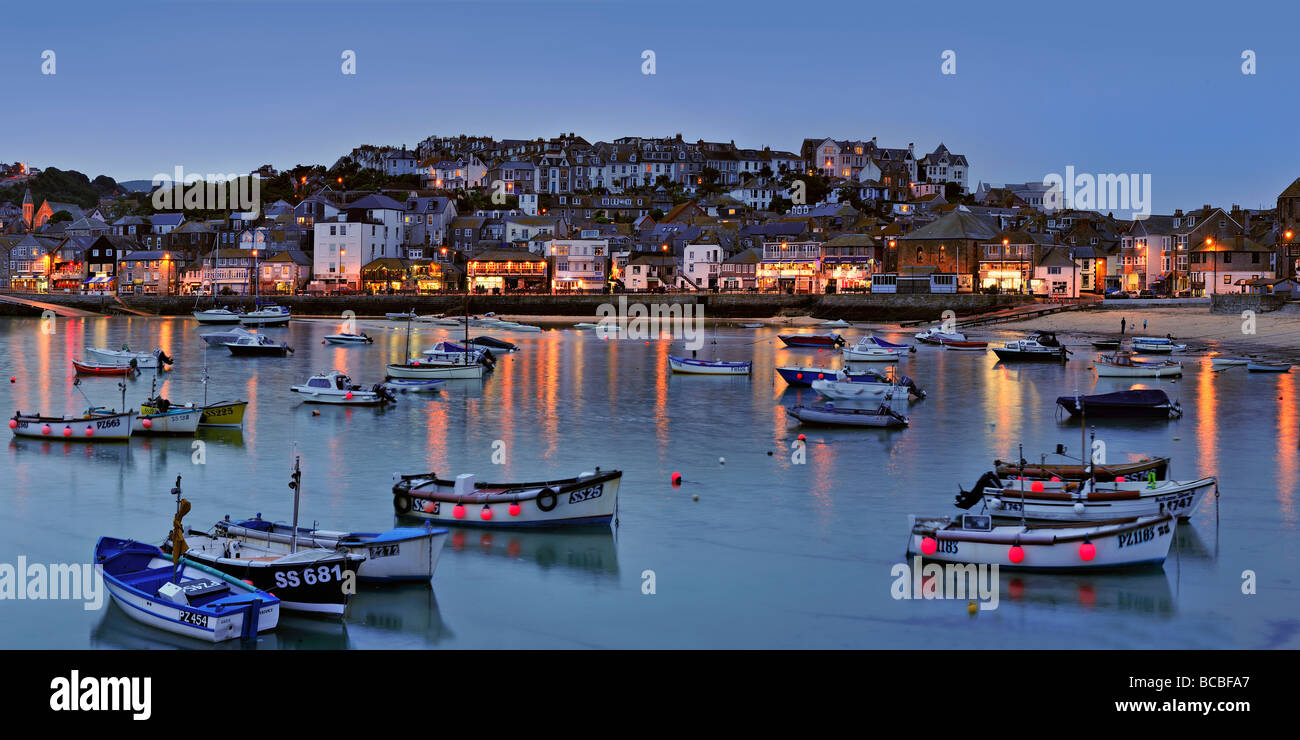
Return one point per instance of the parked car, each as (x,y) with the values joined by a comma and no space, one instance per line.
(1147,294)
(1116,294)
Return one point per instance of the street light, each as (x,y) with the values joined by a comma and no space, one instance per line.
(1209,241)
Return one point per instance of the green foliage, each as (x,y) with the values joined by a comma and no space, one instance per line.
(63,186)
(60,215)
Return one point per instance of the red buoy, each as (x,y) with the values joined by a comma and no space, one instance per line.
(677,479)
(515,509)
(146,423)
(67,431)
(1120,479)
(428,507)
(90,431)
(798,376)
(821,376)
(1056,479)
(348,395)
(485,514)
(1087,551)
(929,545)
(802,438)
(1016,554)
(12,379)
(45,429)
(1036,486)
(458,511)
(13,423)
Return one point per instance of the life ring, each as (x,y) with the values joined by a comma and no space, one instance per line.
(402,503)
(547,494)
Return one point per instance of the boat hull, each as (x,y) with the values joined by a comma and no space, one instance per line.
(863,391)
(258,350)
(425,371)
(1108,370)
(108,428)
(877,355)
(699,367)
(584,501)
(1174,497)
(823,417)
(414,386)
(347,339)
(216,317)
(312,586)
(1017,355)
(83,368)
(811,340)
(1258,367)
(143,360)
(175,421)
(1158,465)
(400,554)
(359,398)
(229,414)
(1132,544)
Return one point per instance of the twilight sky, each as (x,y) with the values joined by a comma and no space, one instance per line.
(220,86)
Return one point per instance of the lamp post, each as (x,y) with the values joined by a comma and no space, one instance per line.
(1209,241)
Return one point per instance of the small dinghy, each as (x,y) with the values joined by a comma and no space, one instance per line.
(90,368)
(86,428)
(836,324)
(865,351)
(493,343)
(172,421)
(812,340)
(934,335)
(314,580)
(450,353)
(589,499)
(258,345)
(165,590)
(1073,471)
(690,366)
(417,370)
(346,338)
(964,346)
(1112,544)
(408,385)
(1084,501)
(1146,403)
(124,356)
(842,389)
(401,316)
(829,415)
(1229,361)
(804,376)
(1268,367)
(1105,344)
(400,554)
(751,326)
(585,326)
(515,326)
(1125,365)
(337,388)
(1156,345)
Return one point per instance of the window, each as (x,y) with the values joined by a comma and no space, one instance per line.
(1227,280)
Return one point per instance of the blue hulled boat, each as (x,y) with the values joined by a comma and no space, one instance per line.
(804,376)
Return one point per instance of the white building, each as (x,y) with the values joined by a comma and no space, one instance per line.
(579,264)
(700,265)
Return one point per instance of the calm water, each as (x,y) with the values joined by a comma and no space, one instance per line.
(773,554)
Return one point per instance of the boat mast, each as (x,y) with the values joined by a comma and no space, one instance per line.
(295,483)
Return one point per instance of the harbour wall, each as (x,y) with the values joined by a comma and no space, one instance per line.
(1235,303)
(882,307)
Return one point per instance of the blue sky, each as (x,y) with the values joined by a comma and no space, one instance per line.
(227,85)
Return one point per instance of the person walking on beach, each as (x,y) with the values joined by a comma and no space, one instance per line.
(1122,323)
(1144,324)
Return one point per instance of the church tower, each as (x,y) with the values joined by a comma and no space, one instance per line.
(28,208)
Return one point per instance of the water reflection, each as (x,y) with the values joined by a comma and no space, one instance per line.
(1145,592)
(592,551)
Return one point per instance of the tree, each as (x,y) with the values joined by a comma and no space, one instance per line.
(60,215)
(710,177)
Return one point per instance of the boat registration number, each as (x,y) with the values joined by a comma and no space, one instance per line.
(222,411)
(384,551)
(586,494)
(108,423)
(309,577)
(1182,502)
(198,620)
(948,546)
(1139,536)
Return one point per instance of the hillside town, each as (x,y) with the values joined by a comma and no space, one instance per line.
(563,215)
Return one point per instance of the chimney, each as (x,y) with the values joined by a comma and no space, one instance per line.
(1178,213)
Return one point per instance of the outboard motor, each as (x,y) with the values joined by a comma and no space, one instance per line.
(967,499)
(162,357)
(910,385)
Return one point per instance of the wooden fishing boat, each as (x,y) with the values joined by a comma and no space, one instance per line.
(345,338)
(175,420)
(404,385)
(337,388)
(1268,367)
(184,599)
(1030,350)
(812,340)
(589,499)
(399,554)
(266,314)
(124,356)
(870,349)
(829,415)
(86,428)
(934,335)
(1145,403)
(1113,544)
(1082,501)
(1156,345)
(88,368)
(840,389)
(1073,471)
(258,345)
(964,346)
(804,376)
(690,366)
(227,414)
(1125,365)
(417,370)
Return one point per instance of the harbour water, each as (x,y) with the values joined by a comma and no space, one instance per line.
(757,551)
